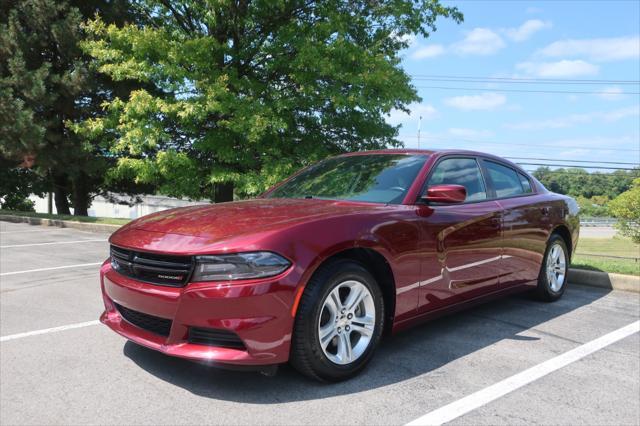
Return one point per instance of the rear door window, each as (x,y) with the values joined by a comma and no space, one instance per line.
(460,171)
(506,181)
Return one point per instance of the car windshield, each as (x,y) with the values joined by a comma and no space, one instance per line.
(376,178)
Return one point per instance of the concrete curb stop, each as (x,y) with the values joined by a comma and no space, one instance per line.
(84,226)
(576,276)
(606,280)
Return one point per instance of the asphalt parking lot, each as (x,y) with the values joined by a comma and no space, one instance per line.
(86,374)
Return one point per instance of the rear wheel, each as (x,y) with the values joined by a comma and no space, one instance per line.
(338,323)
(555,270)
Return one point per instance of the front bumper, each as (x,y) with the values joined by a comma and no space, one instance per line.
(259,312)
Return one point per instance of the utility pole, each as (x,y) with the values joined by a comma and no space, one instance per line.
(419,126)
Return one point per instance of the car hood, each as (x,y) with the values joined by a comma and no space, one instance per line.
(218,222)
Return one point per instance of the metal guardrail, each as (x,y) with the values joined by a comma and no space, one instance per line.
(606,222)
(598,221)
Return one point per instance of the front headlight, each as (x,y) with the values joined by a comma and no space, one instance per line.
(238,266)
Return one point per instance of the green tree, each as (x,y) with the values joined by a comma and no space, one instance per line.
(46,84)
(577,182)
(626,208)
(245,92)
(596,206)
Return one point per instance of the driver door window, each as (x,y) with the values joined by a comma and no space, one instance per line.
(460,171)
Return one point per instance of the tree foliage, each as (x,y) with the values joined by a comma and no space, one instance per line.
(46,84)
(578,182)
(626,208)
(596,206)
(244,92)
(16,185)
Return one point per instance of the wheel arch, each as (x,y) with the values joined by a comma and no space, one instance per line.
(563,231)
(377,264)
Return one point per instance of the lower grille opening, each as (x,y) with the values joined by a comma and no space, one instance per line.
(215,337)
(156,325)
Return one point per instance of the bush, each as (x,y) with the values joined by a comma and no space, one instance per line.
(626,208)
(16,185)
(17,203)
(596,206)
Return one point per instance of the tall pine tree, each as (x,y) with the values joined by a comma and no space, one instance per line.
(46,85)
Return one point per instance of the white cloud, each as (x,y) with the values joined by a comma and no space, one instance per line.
(527,29)
(429,51)
(479,41)
(619,114)
(410,39)
(426,111)
(470,133)
(485,101)
(612,93)
(563,68)
(596,49)
(575,119)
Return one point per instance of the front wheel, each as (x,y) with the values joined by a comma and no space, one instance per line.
(338,323)
(555,270)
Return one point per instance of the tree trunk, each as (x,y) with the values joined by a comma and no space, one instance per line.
(223,192)
(60,191)
(81,200)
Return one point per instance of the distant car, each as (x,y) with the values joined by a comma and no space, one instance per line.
(314,270)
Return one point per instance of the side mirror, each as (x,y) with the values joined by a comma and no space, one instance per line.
(448,194)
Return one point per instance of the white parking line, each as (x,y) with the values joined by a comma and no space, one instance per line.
(48,330)
(482,397)
(33,230)
(80,265)
(52,243)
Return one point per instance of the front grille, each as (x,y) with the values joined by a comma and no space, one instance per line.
(158,269)
(147,322)
(215,337)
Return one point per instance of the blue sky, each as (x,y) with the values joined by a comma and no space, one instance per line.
(561,40)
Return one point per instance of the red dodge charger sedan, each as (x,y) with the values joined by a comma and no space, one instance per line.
(317,268)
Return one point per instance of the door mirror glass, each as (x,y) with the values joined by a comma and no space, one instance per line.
(448,194)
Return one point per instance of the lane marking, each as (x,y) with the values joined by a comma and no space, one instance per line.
(484,396)
(48,330)
(80,265)
(52,243)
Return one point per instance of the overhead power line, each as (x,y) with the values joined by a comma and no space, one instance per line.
(573,165)
(440,139)
(529,80)
(574,161)
(567,172)
(570,92)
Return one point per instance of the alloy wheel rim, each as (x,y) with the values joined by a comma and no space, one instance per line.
(347,321)
(556,267)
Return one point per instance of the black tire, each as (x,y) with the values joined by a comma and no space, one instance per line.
(544,290)
(307,356)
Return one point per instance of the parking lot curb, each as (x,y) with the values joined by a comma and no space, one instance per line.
(84,226)
(605,280)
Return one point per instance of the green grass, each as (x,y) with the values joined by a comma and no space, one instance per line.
(88,219)
(616,246)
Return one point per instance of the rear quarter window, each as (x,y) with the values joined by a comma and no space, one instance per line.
(526,183)
(506,181)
